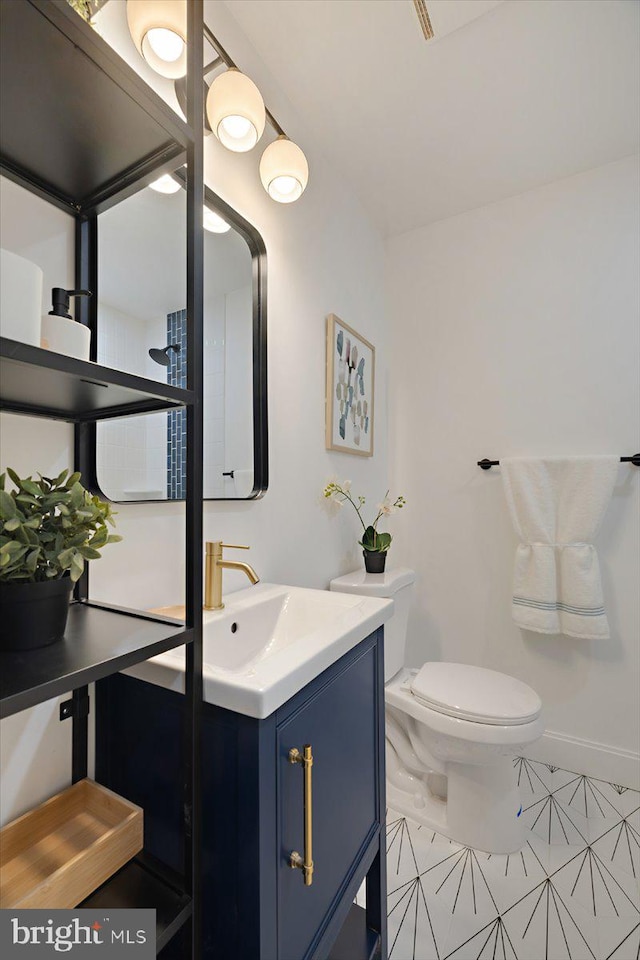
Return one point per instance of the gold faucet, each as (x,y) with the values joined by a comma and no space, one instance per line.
(213,573)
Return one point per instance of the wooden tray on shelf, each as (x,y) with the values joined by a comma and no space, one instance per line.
(58,853)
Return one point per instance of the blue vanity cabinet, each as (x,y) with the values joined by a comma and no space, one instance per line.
(255,905)
(338,719)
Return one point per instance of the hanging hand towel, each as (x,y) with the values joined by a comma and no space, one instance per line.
(556,506)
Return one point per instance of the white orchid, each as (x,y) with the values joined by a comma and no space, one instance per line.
(340,493)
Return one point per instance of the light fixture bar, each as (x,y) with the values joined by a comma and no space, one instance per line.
(274,123)
(424,18)
(217,46)
(212,66)
(224,56)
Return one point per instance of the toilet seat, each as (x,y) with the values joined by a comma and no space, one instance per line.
(397,693)
(474,693)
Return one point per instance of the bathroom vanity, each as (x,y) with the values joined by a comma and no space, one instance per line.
(265,810)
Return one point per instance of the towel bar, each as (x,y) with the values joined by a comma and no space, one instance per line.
(487,464)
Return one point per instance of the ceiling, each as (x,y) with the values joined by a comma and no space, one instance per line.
(525,93)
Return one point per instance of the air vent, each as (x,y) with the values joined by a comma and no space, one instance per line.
(423,17)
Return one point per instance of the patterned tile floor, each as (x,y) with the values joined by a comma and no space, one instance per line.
(572,893)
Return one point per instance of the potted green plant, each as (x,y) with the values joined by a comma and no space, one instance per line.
(87,8)
(49,529)
(375,544)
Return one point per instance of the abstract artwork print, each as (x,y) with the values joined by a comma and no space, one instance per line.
(350,389)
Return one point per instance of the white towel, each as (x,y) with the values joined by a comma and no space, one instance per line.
(556,506)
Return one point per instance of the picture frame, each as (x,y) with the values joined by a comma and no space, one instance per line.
(350,390)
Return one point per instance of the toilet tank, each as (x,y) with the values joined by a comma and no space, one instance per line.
(396,585)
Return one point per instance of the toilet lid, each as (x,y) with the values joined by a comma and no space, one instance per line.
(474,693)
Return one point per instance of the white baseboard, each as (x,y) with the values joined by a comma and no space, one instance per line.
(598,760)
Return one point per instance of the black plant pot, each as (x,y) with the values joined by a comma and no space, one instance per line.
(33,615)
(374,561)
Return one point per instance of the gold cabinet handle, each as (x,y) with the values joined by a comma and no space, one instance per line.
(295,860)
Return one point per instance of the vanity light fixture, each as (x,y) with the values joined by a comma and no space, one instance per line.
(284,170)
(165,184)
(213,222)
(159,30)
(235,110)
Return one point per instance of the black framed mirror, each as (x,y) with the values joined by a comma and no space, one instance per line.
(141,328)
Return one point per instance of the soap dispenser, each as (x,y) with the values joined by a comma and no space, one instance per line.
(60,332)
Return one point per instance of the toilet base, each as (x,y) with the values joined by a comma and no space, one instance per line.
(481,808)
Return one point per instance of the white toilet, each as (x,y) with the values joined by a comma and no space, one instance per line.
(453,731)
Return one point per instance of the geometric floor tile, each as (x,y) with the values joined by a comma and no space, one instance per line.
(619,846)
(628,948)
(416,925)
(571,893)
(491,941)
(587,880)
(530,779)
(460,883)
(544,923)
(511,876)
(555,822)
(587,797)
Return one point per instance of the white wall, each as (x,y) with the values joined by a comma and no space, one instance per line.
(323,256)
(515,332)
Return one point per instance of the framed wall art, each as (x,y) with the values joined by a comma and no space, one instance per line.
(350,389)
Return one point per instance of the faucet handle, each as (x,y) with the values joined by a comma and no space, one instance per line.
(215,547)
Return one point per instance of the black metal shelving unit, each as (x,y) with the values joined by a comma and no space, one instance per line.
(80,127)
(42,383)
(83,131)
(99,640)
(148,884)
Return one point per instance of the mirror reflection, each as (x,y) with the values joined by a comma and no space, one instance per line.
(141,329)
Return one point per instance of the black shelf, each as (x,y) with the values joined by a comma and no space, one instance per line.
(42,383)
(356,941)
(98,641)
(145,884)
(78,124)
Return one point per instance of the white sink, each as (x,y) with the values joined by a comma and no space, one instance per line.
(269,642)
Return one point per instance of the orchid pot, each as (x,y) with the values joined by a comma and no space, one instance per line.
(374,560)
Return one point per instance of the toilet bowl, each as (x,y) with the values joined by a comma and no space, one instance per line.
(452,732)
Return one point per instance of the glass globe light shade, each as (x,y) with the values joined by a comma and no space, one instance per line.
(159,30)
(235,110)
(164,44)
(165,184)
(214,223)
(284,170)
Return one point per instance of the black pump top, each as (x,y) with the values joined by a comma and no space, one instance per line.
(60,300)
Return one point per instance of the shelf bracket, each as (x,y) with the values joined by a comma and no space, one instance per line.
(76,708)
